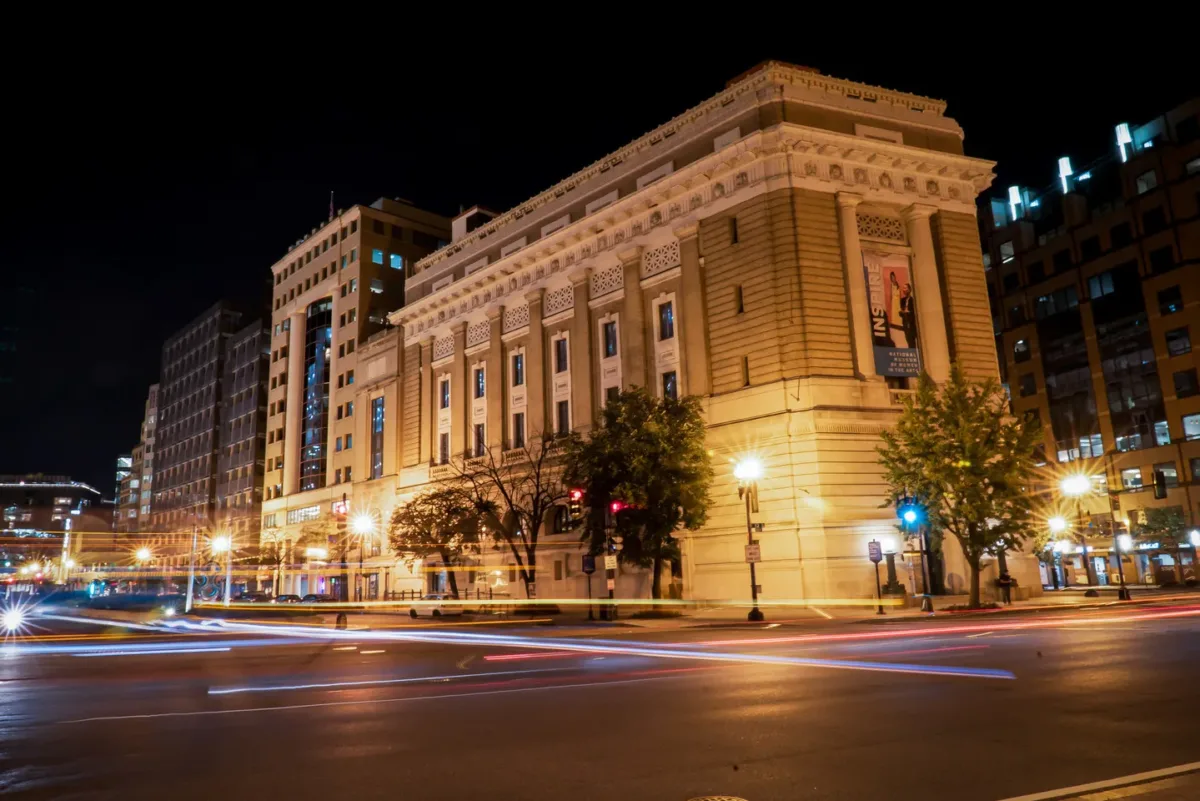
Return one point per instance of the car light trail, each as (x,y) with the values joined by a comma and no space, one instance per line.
(345,685)
(152,652)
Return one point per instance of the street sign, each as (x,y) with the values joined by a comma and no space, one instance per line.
(610,562)
(612,584)
(589,564)
(753,553)
(875,551)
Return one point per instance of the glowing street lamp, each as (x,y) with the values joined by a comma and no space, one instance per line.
(1058,524)
(748,471)
(1076,486)
(143,554)
(363,525)
(224,544)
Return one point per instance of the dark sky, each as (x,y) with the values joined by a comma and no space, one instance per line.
(153,184)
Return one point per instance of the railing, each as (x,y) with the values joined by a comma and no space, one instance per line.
(514,455)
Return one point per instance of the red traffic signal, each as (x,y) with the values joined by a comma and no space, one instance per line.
(576,494)
(616,506)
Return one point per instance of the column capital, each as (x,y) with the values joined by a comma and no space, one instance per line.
(849,199)
(918,211)
(582,277)
(687,231)
(630,255)
(535,296)
(496,313)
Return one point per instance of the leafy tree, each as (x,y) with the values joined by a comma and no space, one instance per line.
(958,450)
(1168,527)
(439,522)
(514,493)
(649,453)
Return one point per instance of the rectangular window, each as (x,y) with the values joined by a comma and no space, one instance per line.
(745,371)
(350,345)
(377,256)
(1100,285)
(563,416)
(480,442)
(353,254)
(348,475)
(666,321)
(352,315)
(611,394)
(344,257)
(518,433)
(353,284)
(1154,220)
(739,299)
(480,383)
(1028,385)
(339,412)
(560,356)
(610,339)
(377,227)
(341,351)
(376,286)
(1179,341)
(518,370)
(1146,181)
(349,408)
(444,394)
(345,288)
(670,385)
(1007,252)
(1162,260)
(396,261)
(1170,300)
(1131,478)
(1185,383)
(337,447)
(1191,429)
(337,476)
(349,377)
(444,448)
(376,437)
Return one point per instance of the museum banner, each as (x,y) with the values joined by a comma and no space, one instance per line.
(893,313)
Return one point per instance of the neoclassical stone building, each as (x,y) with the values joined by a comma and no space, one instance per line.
(792,250)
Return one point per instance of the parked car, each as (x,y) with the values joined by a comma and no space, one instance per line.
(287,599)
(314,598)
(434,608)
(252,598)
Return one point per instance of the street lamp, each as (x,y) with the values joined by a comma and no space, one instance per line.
(224,544)
(143,554)
(748,472)
(363,525)
(1076,486)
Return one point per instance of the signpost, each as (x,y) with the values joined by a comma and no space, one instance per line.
(589,567)
(875,554)
(753,553)
(610,562)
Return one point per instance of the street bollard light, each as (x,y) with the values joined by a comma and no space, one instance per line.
(748,472)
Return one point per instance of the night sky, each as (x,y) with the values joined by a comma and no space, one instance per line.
(145,190)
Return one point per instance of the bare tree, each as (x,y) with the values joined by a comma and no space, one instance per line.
(514,493)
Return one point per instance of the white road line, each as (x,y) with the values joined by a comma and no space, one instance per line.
(334,685)
(980,634)
(822,613)
(1122,781)
(345,648)
(377,702)
(379,651)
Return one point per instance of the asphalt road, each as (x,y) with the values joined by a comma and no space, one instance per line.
(251,716)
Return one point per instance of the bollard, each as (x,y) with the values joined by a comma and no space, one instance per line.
(927,604)
(341,620)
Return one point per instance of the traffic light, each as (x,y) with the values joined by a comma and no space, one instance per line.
(909,511)
(610,514)
(574,508)
(340,512)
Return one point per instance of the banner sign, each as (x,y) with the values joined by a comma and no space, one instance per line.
(892,304)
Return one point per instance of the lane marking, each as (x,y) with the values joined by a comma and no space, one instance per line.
(823,613)
(980,634)
(267,688)
(374,702)
(377,651)
(1121,781)
(345,648)
(466,660)
(1132,790)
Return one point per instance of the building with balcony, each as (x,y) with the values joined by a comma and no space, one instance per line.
(1094,285)
(763,251)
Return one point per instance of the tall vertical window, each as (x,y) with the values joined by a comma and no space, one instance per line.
(610,339)
(563,416)
(560,355)
(444,394)
(666,320)
(518,433)
(480,441)
(377,256)
(376,437)
(444,448)
(396,261)
(670,383)
(518,369)
(480,383)
(739,299)
(318,334)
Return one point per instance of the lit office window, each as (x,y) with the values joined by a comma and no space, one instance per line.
(377,256)
(666,320)
(396,261)
(376,437)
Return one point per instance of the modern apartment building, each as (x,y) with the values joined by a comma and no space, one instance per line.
(125,515)
(187,433)
(332,290)
(134,495)
(763,251)
(1094,283)
(241,460)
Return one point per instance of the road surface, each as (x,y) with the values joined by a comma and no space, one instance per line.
(837,711)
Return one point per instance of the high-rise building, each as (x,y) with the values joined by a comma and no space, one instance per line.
(1094,282)
(125,514)
(134,490)
(149,424)
(189,417)
(763,251)
(242,449)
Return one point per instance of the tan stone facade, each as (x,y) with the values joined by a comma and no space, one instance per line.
(721,256)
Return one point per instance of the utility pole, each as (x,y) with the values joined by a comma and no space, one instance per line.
(187,602)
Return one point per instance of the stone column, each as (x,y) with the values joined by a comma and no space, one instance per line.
(856,285)
(535,370)
(633,323)
(428,399)
(294,418)
(582,398)
(931,318)
(460,394)
(694,323)
(497,382)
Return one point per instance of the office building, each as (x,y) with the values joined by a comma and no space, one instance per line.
(134,497)
(1094,283)
(125,518)
(241,460)
(762,251)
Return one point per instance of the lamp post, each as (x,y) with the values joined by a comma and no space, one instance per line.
(1123,543)
(224,544)
(1076,486)
(143,555)
(1058,525)
(362,525)
(191,584)
(748,472)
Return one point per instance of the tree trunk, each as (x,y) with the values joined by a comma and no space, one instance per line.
(1179,563)
(973,599)
(450,574)
(656,582)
